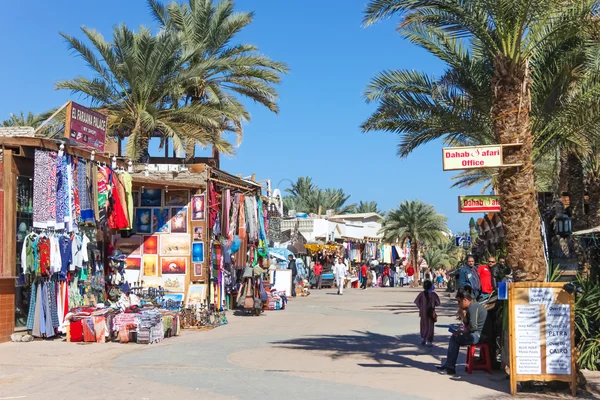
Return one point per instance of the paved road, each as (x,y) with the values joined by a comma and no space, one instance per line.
(363,345)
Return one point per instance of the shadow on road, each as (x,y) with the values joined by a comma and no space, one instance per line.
(386,352)
(444,310)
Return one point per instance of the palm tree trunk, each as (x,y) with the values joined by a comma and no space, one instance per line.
(520,215)
(576,191)
(414,255)
(593,215)
(563,176)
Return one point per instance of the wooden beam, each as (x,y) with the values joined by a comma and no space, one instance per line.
(9,218)
(150,182)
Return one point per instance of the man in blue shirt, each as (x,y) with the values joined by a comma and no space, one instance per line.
(468,276)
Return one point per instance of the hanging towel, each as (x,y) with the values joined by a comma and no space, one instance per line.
(62,195)
(213,205)
(251,218)
(234,218)
(242,221)
(225,207)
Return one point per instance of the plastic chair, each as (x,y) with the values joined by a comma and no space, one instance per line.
(485,362)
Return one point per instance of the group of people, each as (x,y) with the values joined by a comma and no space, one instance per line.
(476,284)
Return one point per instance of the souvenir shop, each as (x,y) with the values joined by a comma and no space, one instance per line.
(67,207)
(238,239)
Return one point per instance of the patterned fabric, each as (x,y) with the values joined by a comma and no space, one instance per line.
(52,302)
(43,245)
(100,329)
(41,175)
(62,196)
(32,301)
(51,186)
(89,332)
(76,194)
(87,210)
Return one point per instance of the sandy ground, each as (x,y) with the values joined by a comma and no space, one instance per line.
(363,345)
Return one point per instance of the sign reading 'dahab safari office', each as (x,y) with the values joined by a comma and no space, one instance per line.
(454,158)
(86,127)
(477,204)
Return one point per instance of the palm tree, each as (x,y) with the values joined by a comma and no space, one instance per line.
(31,119)
(140,81)
(505,36)
(305,196)
(416,222)
(436,257)
(222,70)
(368,207)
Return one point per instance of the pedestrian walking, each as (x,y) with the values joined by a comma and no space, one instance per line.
(363,275)
(401,276)
(427,301)
(339,270)
(318,270)
(410,275)
(292,266)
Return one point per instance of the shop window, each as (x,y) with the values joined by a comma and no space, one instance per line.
(24,227)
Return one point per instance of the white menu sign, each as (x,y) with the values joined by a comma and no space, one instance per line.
(529,366)
(558,339)
(527,336)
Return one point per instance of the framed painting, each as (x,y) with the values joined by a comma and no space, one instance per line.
(198,233)
(175,245)
(177,198)
(150,197)
(173,265)
(130,246)
(173,283)
(151,245)
(198,270)
(150,265)
(198,207)
(179,220)
(133,263)
(196,295)
(143,220)
(161,220)
(198,252)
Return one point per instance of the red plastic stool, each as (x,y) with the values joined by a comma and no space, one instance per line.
(485,364)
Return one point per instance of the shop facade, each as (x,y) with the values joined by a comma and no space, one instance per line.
(174,232)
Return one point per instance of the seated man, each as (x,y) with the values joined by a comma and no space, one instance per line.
(476,315)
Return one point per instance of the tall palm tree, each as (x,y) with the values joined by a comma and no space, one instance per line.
(224,70)
(416,222)
(506,35)
(140,79)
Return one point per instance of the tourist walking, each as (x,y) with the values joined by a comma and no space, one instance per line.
(401,275)
(440,278)
(410,275)
(363,276)
(318,270)
(339,270)
(427,301)
(292,266)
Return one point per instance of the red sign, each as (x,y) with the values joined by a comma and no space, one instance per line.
(85,127)
(474,204)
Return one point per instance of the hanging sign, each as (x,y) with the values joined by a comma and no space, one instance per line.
(541,333)
(85,127)
(454,158)
(475,204)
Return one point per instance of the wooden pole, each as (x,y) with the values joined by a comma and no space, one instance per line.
(68,103)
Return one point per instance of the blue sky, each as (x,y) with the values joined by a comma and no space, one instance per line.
(316,133)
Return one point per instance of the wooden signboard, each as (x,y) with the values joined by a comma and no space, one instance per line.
(469,157)
(541,334)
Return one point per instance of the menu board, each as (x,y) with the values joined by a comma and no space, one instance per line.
(541,330)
